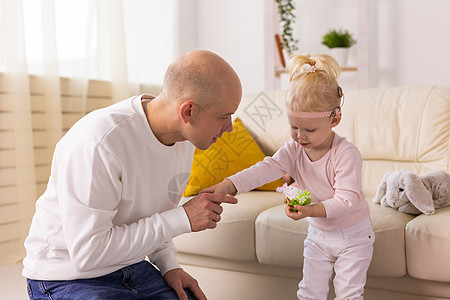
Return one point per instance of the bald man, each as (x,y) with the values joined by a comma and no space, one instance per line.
(116,181)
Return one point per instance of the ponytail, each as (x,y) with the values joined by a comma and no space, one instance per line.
(313,83)
(322,63)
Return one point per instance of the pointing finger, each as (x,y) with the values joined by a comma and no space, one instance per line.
(220,198)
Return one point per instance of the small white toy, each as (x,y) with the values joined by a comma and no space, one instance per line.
(414,194)
(294,196)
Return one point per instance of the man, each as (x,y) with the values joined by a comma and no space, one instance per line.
(116,180)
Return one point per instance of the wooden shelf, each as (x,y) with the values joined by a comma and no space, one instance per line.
(280,71)
(349,69)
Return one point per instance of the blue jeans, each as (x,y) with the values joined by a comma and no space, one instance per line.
(139,281)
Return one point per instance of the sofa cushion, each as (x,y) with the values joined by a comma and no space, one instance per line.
(234,236)
(428,246)
(389,249)
(279,239)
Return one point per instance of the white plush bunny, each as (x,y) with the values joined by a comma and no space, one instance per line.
(414,194)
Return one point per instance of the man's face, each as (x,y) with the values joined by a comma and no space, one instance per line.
(213,122)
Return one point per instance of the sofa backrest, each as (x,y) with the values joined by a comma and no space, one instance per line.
(398,128)
(264,116)
(394,128)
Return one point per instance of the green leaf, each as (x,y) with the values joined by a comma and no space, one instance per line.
(287,20)
(338,38)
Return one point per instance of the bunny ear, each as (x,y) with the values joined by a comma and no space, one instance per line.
(417,194)
(381,189)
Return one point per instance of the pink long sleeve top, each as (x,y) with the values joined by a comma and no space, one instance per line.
(334,180)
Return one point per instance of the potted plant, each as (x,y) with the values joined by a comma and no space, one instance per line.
(287,41)
(339,41)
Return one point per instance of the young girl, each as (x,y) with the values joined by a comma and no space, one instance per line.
(340,235)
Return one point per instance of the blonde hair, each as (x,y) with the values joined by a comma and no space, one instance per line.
(315,88)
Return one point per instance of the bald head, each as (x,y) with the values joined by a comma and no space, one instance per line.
(200,75)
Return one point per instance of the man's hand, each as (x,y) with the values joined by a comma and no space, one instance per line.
(204,210)
(178,279)
(225,187)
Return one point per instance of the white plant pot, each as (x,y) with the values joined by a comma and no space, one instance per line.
(341,55)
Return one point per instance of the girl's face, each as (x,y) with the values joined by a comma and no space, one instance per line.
(313,134)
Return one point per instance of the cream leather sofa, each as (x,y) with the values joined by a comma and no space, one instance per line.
(256,251)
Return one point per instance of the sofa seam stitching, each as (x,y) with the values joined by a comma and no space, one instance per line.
(421,122)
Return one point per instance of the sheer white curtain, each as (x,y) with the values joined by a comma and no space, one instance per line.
(122,43)
(17,159)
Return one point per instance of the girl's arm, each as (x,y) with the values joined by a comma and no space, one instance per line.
(268,170)
(347,184)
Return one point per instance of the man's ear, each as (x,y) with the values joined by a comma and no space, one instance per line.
(335,121)
(185,111)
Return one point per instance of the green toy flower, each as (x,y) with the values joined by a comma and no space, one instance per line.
(303,198)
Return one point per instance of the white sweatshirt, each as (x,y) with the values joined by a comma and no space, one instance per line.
(111,200)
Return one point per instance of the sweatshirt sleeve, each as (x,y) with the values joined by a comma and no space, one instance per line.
(90,189)
(347,184)
(165,258)
(265,171)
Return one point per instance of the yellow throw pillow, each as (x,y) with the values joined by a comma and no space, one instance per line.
(233,152)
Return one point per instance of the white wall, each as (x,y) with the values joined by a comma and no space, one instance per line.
(187,25)
(411,42)
(409,39)
(315,18)
(235,30)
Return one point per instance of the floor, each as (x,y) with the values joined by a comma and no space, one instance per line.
(12,284)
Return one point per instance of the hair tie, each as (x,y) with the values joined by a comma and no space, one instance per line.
(312,69)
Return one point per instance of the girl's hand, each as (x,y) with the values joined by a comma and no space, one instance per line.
(302,211)
(314,210)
